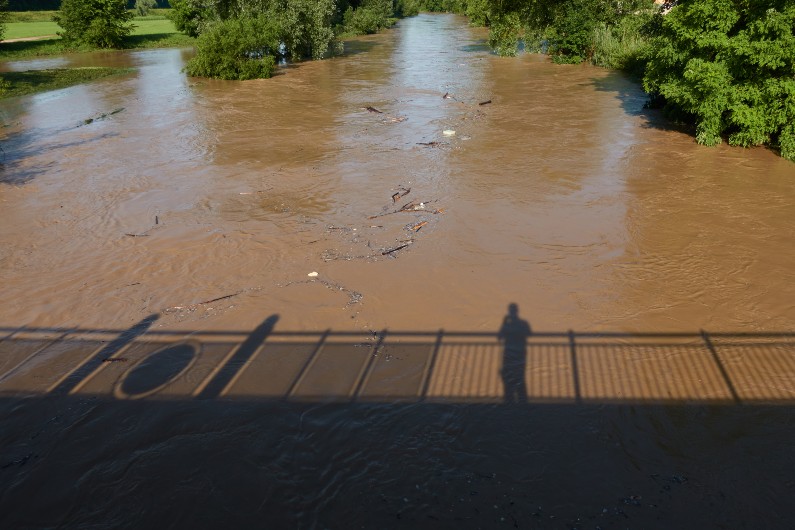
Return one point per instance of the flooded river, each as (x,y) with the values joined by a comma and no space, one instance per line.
(346,211)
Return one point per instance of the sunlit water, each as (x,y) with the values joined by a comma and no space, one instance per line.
(560,193)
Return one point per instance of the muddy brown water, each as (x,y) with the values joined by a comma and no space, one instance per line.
(151,221)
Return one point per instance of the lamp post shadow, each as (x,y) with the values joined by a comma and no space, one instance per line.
(514,333)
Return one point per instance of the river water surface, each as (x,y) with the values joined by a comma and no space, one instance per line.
(196,207)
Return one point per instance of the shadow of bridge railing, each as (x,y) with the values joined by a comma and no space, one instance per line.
(396,366)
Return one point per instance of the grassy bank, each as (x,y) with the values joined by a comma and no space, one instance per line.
(153,31)
(23,83)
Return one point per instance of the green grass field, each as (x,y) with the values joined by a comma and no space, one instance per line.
(39,23)
(153,31)
(31,16)
(20,30)
(153,27)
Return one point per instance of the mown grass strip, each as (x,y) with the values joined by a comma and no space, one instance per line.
(30,16)
(14,84)
(21,30)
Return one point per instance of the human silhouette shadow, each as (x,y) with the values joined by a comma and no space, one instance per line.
(513,334)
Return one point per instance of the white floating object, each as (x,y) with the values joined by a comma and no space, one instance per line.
(448,132)
(312,274)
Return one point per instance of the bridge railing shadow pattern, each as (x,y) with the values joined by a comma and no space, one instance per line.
(397,366)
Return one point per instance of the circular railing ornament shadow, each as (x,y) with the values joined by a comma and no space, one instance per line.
(157,370)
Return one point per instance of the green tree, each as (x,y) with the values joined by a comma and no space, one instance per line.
(237,49)
(142,7)
(3,17)
(100,23)
(190,16)
(306,26)
(730,66)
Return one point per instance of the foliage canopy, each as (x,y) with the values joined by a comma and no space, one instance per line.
(236,49)
(3,17)
(730,66)
(100,23)
(142,7)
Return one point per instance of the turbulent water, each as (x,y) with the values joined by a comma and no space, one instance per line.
(428,184)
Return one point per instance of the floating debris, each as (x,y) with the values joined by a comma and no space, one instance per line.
(448,132)
(335,255)
(401,192)
(89,121)
(387,117)
(193,307)
(354,297)
(219,298)
(395,249)
(411,206)
(487,102)
(313,274)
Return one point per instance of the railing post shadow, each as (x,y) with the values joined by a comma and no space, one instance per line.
(76,377)
(431,364)
(575,371)
(367,369)
(307,365)
(247,348)
(721,368)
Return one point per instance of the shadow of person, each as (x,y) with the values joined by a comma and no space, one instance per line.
(513,334)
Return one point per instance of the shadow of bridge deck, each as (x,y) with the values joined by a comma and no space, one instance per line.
(396,366)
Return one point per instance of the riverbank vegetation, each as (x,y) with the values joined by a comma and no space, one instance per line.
(244,39)
(729,67)
(725,66)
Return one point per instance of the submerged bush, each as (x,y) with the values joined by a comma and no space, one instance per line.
(730,65)
(407,8)
(236,49)
(100,23)
(623,46)
(446,6)
(505,33)
(306,26)
(370,17)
